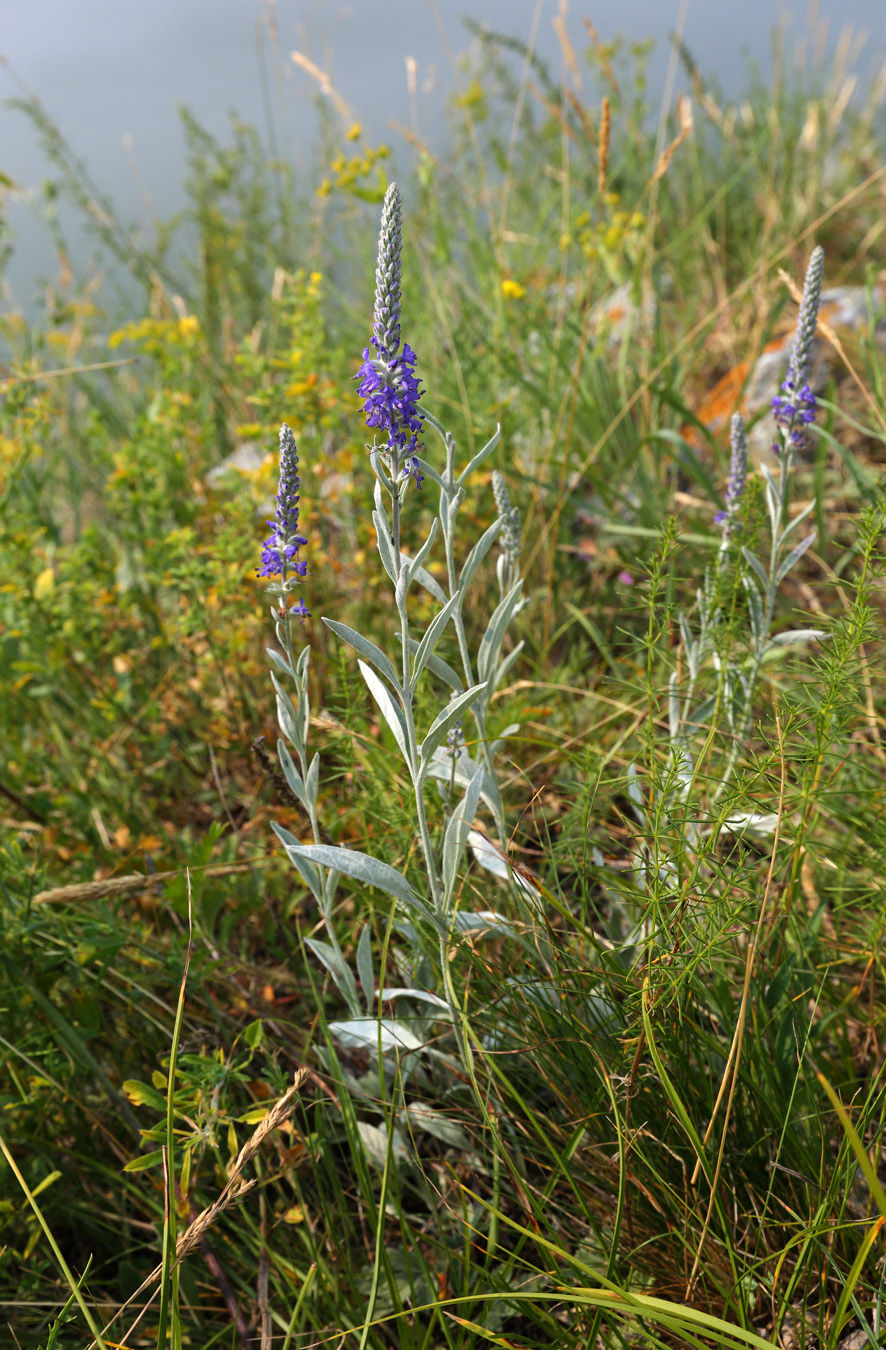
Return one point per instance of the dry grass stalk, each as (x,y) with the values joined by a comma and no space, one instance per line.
(232,1194)
(126,885)
(326,86)
(603,147)
(684,112)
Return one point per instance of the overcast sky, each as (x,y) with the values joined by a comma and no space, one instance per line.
(112,72)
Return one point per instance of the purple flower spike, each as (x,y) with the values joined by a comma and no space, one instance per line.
(280,551)
(388,383)
(797,408)
(738,474)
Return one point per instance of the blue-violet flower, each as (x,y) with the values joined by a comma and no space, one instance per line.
(797,408)
(738,473)
(280,551)
(388,383)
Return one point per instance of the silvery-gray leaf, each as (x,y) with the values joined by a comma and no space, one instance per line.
(424,578)
(312,782)
(418,560)
(702,712)
(364,966)
(420,995)
(432,636)
(430,472)
(291,773)
(374,1139)
(492,860)
(755,607)
(481,456)
(339,971)
(432,1121)
(477,554)
(755,564)
(438,666)
(689,647)
(795,555)
(495,631)
(751,822)
(450,515)
(798,519)
(452,713)
(795,635)
(363,867)
(280,662)
(301,666)
(374,654)
(457,829)
(441,768)
(482,921)
(368,1032)
(504,666)
(303,865)
(388,708)
(674,708)
(385,547)
(286,715)
(635,794)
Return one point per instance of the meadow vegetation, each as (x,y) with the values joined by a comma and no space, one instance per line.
(627,1089)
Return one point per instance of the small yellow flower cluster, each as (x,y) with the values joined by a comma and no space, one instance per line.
(615,239)
(157,336)
(352,174)
(512,290)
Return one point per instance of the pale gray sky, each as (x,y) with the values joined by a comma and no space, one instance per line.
(107,70)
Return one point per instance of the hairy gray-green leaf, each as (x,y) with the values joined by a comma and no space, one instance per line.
(373,654)
(477,554)
(364,966)
(481,456)
(432,636)
(388,708)
(338,969)
(452,713)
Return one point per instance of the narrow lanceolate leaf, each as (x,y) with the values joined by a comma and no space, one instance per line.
(370,870)
(495,632)
(370,1033)
(755,606)
(437,666)
(457,831)
(280,662)
(480,457)
(338,969)
(418,560)
(385,547)
(424,578)
(477,554)
(303,865)
(795,555)
(798,519)
(757,567)
(795,635)
(452,713)
(291,773)
(432,636)
(373,654)
(388,708)
(462,771)
(364,966)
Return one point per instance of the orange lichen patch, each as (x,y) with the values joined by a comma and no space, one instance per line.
(726,397)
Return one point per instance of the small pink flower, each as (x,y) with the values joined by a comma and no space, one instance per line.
(625,578)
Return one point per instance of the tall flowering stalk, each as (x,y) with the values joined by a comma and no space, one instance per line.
(795,409)
(737,480)
(438,753)
(388,383)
